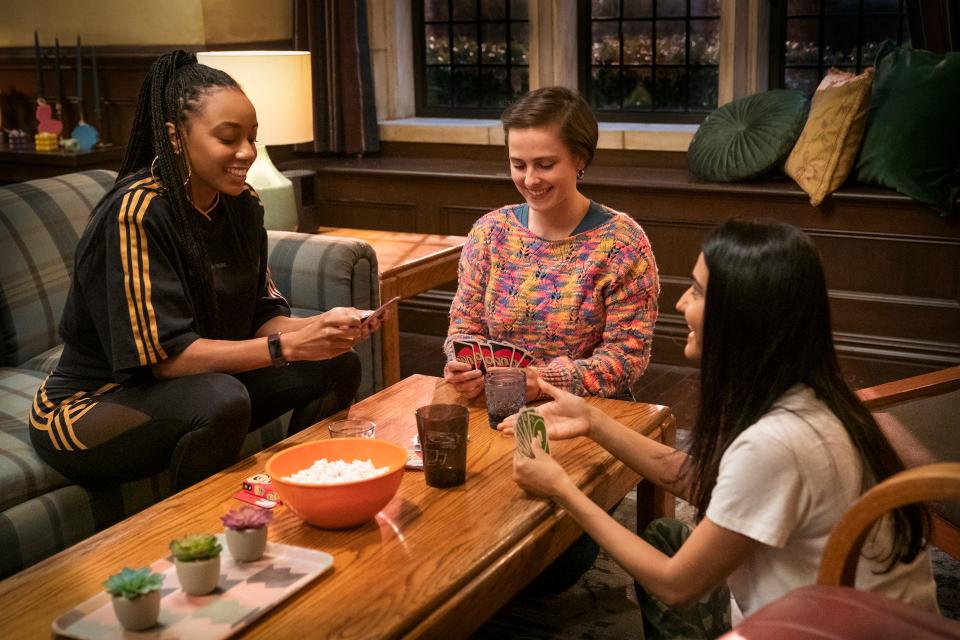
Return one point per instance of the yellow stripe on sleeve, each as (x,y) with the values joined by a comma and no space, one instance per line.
(122,224)
(135,257)
(149,311)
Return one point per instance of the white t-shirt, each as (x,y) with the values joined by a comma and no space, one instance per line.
(785,481)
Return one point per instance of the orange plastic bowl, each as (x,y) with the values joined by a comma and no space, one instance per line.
(338,506)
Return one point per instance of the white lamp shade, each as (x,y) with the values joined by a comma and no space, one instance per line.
(279,84)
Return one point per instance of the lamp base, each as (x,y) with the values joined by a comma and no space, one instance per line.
(275,191)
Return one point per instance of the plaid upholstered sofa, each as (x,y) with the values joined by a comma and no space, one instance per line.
(41,512)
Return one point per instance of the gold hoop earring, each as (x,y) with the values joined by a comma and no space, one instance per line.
(579,174)
(157,180)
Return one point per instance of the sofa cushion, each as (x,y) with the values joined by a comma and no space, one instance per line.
(23,474)
(44,362)
(42,221)
(912,143)
(748,137)
(828,146)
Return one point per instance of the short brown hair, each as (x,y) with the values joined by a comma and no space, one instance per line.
(556,105)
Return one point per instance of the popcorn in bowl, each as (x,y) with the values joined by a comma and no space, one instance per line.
(336,472)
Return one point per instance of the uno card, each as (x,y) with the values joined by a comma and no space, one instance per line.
(530,425)
(367,316)
(486,352)
(463,352)
(522,433)
(521,358)
(538,430)
(478,357)
(502,353)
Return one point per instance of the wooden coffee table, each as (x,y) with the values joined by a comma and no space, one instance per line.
(434,563)
(409,263)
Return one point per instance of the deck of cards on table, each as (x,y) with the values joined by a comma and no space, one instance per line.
(530,425)
(481,353)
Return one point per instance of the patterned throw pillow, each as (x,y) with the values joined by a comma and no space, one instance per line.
(828,146)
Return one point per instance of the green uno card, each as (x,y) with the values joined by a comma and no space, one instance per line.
(539,430)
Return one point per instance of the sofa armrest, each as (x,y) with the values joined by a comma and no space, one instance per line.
(318,272)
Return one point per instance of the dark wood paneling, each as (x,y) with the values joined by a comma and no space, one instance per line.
(364,214)
(121,71)
(893,266)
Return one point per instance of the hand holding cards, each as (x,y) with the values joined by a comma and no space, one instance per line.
(530,425)
(368,316)
(480,354)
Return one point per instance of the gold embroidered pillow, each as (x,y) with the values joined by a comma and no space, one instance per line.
(827,148)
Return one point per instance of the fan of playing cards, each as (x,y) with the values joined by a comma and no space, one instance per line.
(481,353)
(530,425)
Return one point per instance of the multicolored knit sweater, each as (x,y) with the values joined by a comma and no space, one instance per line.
(584,306)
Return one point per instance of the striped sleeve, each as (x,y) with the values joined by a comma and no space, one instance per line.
(149,312)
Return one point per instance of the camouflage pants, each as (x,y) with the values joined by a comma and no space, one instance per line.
(707,618)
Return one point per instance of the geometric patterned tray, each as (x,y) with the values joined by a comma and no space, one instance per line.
(247,590)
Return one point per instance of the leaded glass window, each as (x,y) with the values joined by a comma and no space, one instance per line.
(810,36)
(655,60)
(473,56)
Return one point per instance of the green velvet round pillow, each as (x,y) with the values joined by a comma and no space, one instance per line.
(748,137)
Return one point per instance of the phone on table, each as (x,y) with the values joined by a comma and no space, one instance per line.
(369,315)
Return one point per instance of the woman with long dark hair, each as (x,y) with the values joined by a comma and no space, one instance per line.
(176,341)
(780,449)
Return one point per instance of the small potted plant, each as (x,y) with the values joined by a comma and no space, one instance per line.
(246,532)
(136,597)
(197,559)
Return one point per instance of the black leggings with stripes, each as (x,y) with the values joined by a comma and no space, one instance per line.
(194,425)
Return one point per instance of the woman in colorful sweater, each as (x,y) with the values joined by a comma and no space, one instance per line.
(571,281)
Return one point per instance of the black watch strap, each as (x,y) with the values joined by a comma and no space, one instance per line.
(276,351)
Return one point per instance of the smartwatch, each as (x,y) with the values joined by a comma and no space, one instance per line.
(276,351)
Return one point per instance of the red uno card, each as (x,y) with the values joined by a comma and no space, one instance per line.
(502,353)
(463,352)
(486,351)
(521,358)
(478,358)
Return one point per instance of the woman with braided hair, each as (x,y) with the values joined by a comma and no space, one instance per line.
(176,342)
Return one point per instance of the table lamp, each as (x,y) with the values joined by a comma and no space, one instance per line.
(279,85)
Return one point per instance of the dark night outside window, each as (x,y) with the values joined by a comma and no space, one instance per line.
(810,36)
(650,60)
(472,56)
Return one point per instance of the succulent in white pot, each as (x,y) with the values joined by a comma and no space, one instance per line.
(246,532)
(197,559)
(136,597)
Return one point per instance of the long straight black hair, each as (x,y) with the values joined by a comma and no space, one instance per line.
(766,328)
(171,92)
